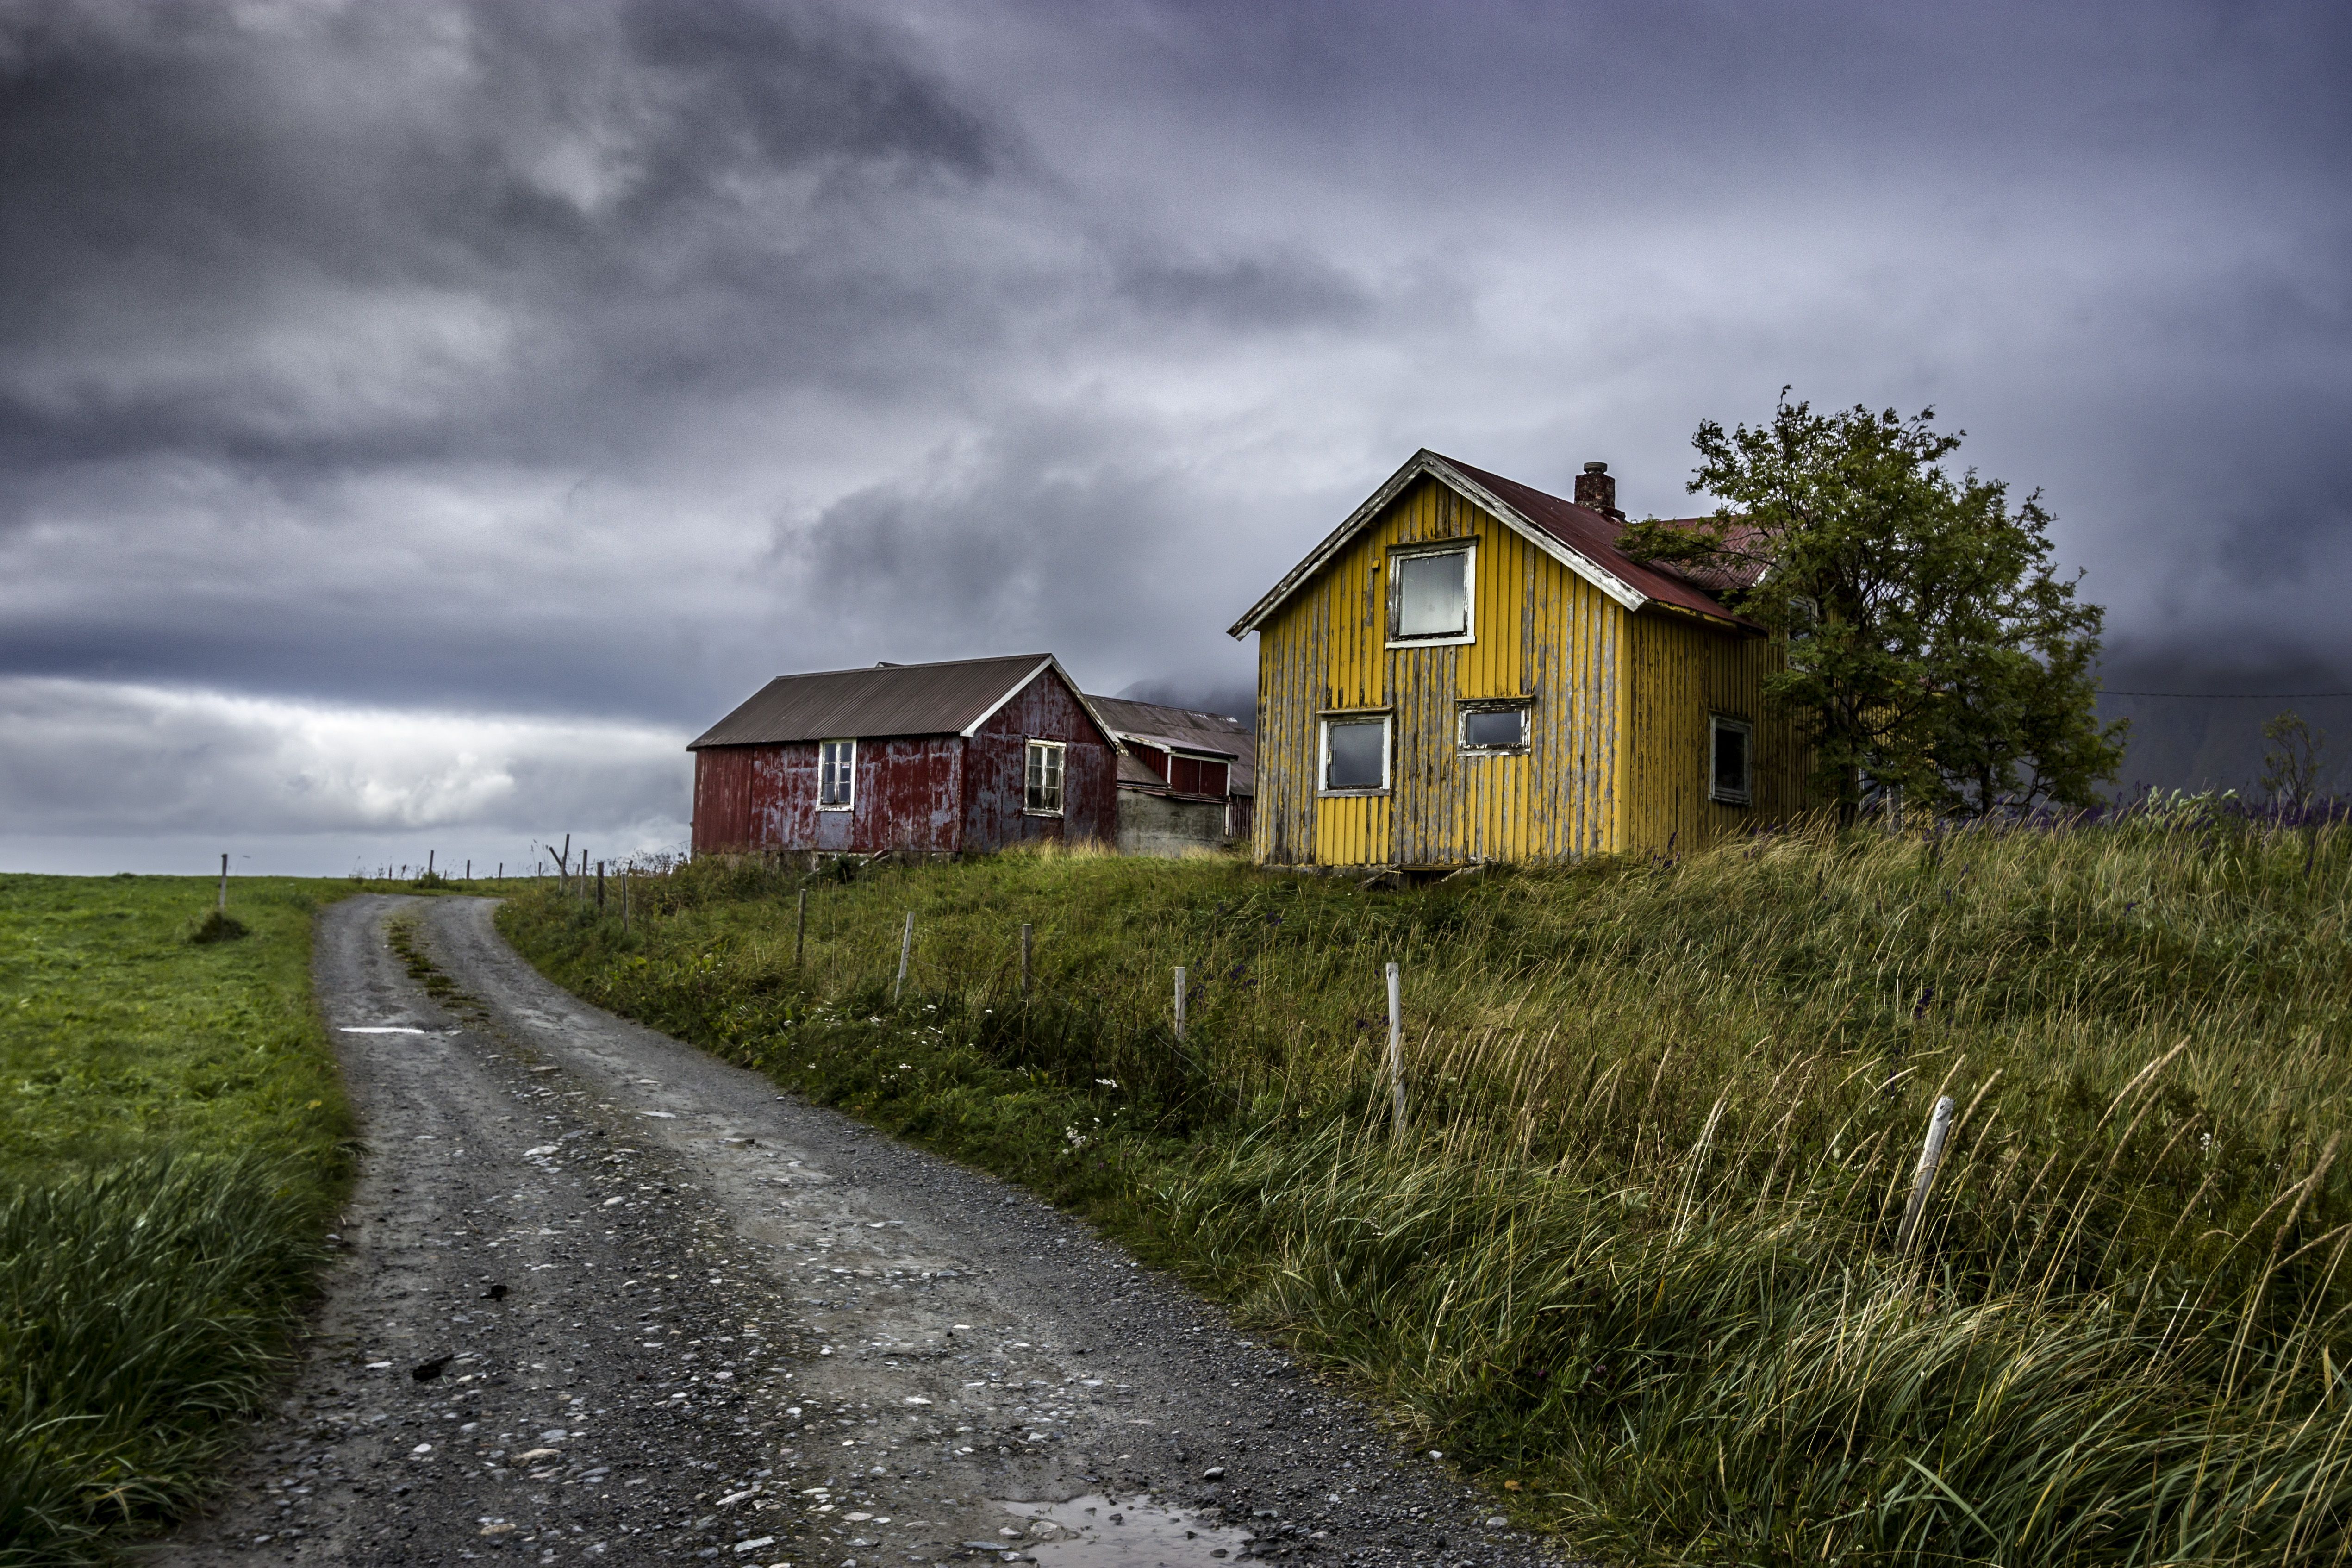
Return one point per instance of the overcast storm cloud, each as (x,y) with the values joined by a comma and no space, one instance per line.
(417,421)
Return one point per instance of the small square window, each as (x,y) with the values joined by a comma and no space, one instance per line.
(1355,754)
(1429,596)
(1731,762)
(836,775)
(1500,728)
(1042,792)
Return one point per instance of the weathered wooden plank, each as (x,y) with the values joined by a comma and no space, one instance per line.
(1617,756)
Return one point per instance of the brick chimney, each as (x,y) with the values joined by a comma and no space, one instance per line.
(1596,489)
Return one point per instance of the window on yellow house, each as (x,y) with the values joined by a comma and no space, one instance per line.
(1356,755)
(1429,596)
(1495,727)
(1732,761)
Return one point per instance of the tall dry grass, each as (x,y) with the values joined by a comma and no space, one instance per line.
(1636,1248)
(144,1307)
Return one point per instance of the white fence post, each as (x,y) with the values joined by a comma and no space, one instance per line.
(1396,1042)
(1180,1002)
(905,950)
(1939,1127)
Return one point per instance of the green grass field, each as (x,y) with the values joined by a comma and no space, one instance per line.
(170,1151)
(1637,1256)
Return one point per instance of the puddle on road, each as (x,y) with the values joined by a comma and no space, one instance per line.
(1081,1533)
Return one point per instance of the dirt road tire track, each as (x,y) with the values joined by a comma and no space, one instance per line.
(713,1291)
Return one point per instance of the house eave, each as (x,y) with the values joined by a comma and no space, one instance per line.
(1021,685)
(1426,462)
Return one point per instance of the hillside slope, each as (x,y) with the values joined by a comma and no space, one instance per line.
(1637,1251)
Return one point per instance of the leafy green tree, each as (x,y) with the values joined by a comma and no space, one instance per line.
(1928,643)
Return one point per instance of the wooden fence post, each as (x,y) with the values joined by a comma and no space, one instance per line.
(223,894)
(1396,1044)
(600,884)
(1939,1127)
(625,901)
(1024,960)
(905,950)
(800,927)
(1179,1002)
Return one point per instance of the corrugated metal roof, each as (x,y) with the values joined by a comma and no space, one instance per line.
(1185,730)
(874,704)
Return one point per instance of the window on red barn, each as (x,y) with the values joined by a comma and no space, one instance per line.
(836,775)
(1042,789)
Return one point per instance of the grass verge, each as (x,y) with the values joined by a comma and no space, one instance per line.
(1638,1253)
(171,1136)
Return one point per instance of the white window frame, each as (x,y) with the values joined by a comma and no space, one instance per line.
(1524,707)
(849,773)
(1466,547)
(1386,721)
(1717,724)
(1060,751)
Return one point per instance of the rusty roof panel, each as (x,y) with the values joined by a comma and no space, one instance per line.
(1594,534)
(873,704)
(1191,745)
(1185,730)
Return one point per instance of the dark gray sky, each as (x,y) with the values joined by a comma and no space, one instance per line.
(417,420)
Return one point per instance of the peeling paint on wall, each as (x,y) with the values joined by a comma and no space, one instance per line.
(926,795)
(1616,755)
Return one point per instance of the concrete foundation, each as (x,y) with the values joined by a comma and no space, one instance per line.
(1161,825)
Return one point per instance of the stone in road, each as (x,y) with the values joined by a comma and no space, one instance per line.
(605,1298)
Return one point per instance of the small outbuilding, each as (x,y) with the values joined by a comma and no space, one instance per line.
(1187,779)
(962,757)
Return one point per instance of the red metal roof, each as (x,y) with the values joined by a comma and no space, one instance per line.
(1582,539)
(1594,535)
(874,704)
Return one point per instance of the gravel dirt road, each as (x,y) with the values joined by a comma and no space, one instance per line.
(604,1298)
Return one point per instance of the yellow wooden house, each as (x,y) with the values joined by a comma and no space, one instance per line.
(1468,671)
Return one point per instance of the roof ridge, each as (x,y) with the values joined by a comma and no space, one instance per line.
(928,664)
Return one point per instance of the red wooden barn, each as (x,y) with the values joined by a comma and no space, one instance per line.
(968,756)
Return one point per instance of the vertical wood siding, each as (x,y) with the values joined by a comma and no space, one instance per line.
(909,793)
(908,796)
(994,785)
(722,798)
(1539,631)
(786,789)
(1683,673)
